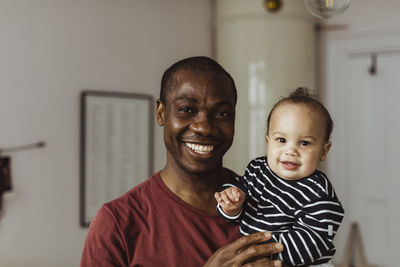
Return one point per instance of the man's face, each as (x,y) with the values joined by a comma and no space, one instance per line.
(296,141)
(198,119)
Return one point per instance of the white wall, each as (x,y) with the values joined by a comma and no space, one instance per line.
(50,50)
(268,55)
(370,16)
(364,19)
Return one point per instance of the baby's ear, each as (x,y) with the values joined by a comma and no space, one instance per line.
(325,150)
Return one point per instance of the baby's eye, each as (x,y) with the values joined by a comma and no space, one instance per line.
(281,140)
(305,143)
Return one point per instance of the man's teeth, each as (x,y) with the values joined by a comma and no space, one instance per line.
(201,149)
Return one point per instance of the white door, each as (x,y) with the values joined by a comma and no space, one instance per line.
(364,163)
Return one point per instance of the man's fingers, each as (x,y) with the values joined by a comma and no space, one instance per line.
(256,238)
(262,249)
(256,254)
(249,250)
(264,262)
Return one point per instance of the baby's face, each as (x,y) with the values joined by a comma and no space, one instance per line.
(296,141)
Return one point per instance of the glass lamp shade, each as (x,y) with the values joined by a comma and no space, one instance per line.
(325,9)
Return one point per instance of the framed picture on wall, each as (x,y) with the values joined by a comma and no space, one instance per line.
(116,146)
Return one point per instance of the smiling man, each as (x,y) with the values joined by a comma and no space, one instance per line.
(170,219)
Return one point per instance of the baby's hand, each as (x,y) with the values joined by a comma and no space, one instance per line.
(230,200)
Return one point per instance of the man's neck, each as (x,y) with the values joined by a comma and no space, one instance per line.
(195,189)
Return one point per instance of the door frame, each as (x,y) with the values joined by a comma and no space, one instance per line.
(337,52)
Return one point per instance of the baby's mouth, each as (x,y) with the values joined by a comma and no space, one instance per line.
(290,165)
(200,149)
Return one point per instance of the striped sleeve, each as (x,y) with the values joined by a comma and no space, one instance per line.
(234,183)
(310,240)
(242,182)
(235,218)
(245,182)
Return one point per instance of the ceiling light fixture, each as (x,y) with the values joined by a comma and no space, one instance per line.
(325,9)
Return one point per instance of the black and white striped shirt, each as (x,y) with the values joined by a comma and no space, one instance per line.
(303,214)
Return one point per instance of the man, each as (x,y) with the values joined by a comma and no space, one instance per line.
(171,219)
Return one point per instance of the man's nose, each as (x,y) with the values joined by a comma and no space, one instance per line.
(202,125)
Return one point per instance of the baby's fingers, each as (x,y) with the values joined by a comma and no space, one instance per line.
(218,197)
(233,194)
(238,193)
(225,197)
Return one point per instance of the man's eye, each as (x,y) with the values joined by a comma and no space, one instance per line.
(185,109)
(305,143)
(281,140)
(224,114)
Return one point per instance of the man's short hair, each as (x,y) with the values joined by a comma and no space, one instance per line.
(201,64)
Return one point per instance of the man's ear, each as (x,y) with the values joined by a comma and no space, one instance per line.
(325,150)
(160,110)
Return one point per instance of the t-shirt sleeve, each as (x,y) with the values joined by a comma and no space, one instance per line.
(104,244)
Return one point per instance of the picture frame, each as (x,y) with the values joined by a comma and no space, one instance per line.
(116,146)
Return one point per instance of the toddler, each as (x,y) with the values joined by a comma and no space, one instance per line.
(283,192)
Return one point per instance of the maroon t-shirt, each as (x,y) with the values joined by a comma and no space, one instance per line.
(151,226)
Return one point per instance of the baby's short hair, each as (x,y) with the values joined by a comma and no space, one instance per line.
(302,96)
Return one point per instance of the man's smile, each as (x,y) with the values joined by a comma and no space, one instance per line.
(200,149)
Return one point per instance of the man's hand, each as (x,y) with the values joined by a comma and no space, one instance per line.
(231,200)
(247,251)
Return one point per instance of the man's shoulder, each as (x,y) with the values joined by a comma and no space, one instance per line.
(136,195)
(229,174)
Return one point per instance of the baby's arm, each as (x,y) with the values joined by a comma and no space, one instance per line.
(230,200)
(310,239)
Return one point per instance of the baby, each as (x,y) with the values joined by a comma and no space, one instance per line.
(284,193)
